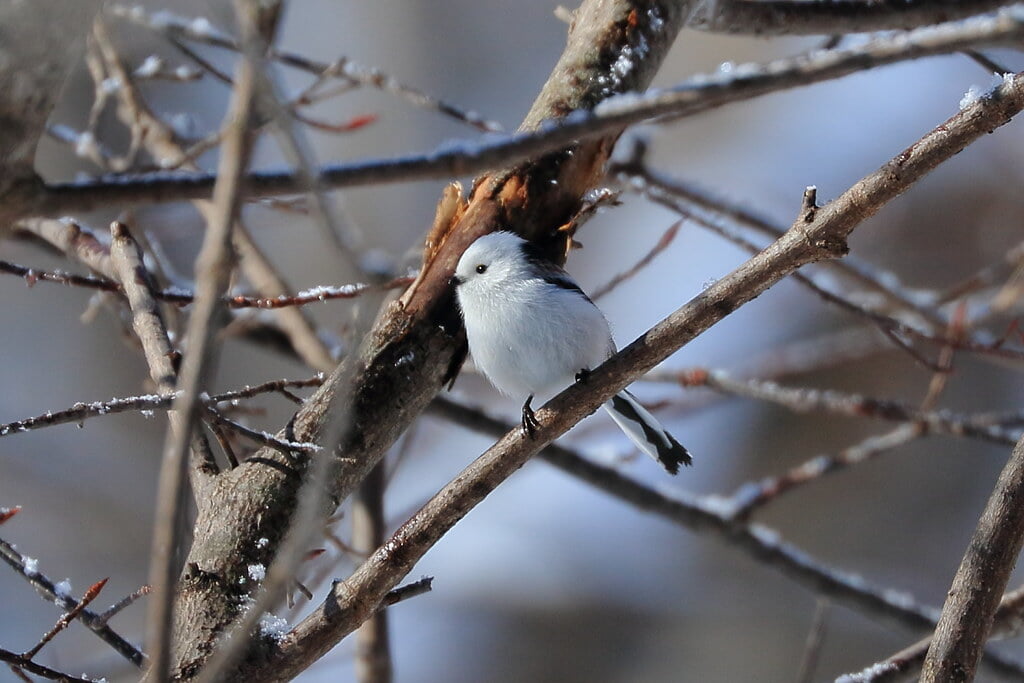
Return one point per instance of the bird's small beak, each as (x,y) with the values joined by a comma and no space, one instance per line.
(455,280)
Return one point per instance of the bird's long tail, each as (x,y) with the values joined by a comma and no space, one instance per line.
(645,431)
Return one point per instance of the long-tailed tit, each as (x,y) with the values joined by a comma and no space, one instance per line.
(532,331)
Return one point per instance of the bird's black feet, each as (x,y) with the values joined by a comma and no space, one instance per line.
(530,423)
(582,375)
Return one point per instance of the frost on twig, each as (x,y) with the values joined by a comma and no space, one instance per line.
(60,594)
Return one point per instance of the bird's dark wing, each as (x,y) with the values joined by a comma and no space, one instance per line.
(549,272)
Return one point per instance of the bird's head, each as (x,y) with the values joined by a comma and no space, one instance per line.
(491,262)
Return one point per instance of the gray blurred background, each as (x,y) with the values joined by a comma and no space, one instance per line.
(548,579)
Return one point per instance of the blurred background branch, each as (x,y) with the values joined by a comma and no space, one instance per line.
(542,579)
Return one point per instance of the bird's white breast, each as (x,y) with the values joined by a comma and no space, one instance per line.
(532,338)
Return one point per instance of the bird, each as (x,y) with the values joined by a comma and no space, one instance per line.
(532,331)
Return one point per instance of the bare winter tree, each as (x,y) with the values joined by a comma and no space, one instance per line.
(270,541)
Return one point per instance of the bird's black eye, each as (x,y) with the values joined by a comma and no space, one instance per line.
(481,268)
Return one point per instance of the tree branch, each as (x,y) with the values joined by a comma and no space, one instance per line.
(978,586)
(369,531)
(783,17)
(708,517)
(852,405)
(463,158)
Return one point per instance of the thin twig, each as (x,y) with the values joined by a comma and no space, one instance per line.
(986,62)
(752,496)
(175,28)
(289,448)
(34,275)
(815,639)
(83,411)
(956,332)
(409,590)
(121,604)
(213,270)
(851,405)
(178,296)
(988,276)
(22,676)
(26,568)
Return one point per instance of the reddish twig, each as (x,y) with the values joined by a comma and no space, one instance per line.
(67,618)
(7,513)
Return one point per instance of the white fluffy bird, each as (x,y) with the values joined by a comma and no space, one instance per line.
(533,332)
